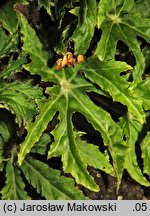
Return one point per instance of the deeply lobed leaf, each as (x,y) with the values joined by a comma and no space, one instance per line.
(145,147)
(117,23)
(86,25)
(8,44)
(142,89)
(68,97)
(41,146)
(20,99)
(6,132)
(131,129)
(107,76)
(46,4)
(14,188)
(13,67)
(7,11)
(33,47)
(48,181)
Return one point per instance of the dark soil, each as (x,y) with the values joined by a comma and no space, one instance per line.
(129,189)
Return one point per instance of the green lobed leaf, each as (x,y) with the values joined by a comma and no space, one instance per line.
(13,67)
(75,11)
(4,138)
(68,97)
(107,76)
(14,188)
(36,128)
(141,7)
(131,128)
(65,145)
(145,147)
(47,111)
(7,11)
(20,99)
(61,6)
(120,24)
(125,5)
(111,133)
(47,4)
(48,182)
(142,90)
(86,25)
(112,7)
(91,155)
(146,53)
(7,44)
(33,47)
(6,132)
(118,20)
(104,8)
(42,145)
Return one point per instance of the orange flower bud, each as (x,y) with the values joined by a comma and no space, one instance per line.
(80,59)
(59,64)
